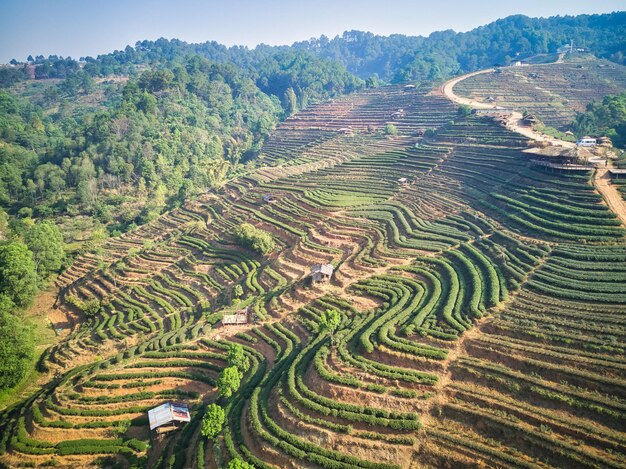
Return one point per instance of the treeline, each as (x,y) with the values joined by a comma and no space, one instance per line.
(29,253)
(400,58)
(606,118)
(395,58)
(178,128)
(174,132)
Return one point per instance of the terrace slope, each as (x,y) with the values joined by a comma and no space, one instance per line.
(553,92)
(472,333)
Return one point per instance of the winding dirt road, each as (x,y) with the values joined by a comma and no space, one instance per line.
(613,198)
(601,179)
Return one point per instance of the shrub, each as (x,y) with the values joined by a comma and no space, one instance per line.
(213,421)
(254,238)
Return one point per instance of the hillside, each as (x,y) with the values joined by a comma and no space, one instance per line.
(471,332)
(554,92)
(327,254)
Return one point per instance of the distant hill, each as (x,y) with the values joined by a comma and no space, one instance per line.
(554,93)
(445,53)
(395,58)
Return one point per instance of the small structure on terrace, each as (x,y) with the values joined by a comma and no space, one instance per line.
(403,181)
(559,158)
(267,198)
(617,173)
(398,114)
(169,416)
(345,131)
(322,272)
(240,317)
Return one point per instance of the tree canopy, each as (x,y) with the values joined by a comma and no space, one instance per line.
(605,118)
(18,285)
(254,238)
(16,346)
(18,277)
(239,464)
(229,381)
(46,243)
(237,357)
(329,321)
(213,421)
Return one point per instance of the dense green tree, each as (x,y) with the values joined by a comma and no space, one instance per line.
(239,464)
(213,421)
(391,129)
(254,238)
(237,291)
(229,381)
(605,118)
(290,101)
(18,275)
(329,321)
(464,110)
(237,357)
(16,345)
(46,243)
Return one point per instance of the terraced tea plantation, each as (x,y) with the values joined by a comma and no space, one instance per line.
(553,92)
(482,310)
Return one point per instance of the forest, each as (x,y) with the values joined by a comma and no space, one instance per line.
(606,118)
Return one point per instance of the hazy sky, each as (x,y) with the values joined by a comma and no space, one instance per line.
(91,27)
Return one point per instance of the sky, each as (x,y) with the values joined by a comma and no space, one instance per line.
(79,28)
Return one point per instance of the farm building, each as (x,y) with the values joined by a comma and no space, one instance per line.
(322,272)
(403,181)
(240,317)
(398,114)
(617,173)
(267,198)
(168,416)
(345,130)
(409,87)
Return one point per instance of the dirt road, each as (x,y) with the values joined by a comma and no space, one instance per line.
(613,198)
(601,180)
(513,122)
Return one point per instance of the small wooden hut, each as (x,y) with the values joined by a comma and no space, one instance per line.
(240,317)
(322,272)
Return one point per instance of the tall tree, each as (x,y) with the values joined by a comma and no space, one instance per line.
(16,345)
(329,322)
(229,381)
(213,421)
(290,101)
(237,357)
(46,243)
(18,275)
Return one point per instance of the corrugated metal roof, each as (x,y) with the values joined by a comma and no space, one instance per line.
(326,269)
(167,413)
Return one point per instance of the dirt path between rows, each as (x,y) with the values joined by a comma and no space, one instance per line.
(601,179)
